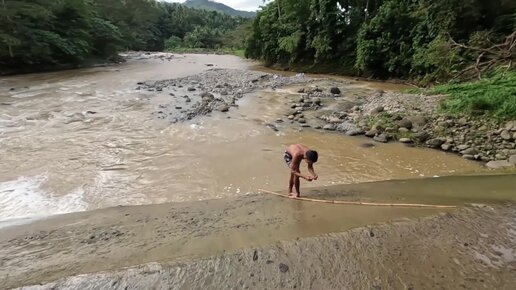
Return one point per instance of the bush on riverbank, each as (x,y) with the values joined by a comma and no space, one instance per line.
(494,96)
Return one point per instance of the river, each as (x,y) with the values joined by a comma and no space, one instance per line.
(86,139)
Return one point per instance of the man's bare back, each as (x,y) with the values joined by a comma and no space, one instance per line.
(294,154)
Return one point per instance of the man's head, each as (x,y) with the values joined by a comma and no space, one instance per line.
(312,156)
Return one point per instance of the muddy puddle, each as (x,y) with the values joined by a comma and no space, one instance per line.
(87,139)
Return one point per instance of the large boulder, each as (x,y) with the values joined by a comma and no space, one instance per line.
(418,121)
(499,164)
(506,135)
(512,160)
(405,123)
(511,126)
(421,137)
(435,143)
(347,126)
(383,138)
(329,127)
(335,91)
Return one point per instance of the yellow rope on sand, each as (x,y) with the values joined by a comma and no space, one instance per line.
(360,202)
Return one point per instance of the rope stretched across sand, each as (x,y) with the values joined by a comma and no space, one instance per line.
(360,202)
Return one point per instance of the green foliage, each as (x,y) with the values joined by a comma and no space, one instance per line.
(381,38)
(494,96)
(173,42)
(54,32)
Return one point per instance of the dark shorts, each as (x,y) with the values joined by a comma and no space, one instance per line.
(288,158)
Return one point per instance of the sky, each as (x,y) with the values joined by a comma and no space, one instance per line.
(246,5)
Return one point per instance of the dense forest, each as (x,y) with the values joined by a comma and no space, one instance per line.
(37,33)
(422,39)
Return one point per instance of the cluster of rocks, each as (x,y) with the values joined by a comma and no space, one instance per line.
(213,90)
(414,120)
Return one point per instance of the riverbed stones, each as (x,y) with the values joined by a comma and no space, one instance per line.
(348,126)
(191,89)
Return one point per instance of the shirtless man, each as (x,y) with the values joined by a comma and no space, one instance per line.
(293,156)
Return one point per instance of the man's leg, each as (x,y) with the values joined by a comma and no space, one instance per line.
(298,193)
(291,184)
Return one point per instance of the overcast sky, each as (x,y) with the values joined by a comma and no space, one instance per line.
(247,5)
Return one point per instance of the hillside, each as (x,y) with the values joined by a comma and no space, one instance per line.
(215,6)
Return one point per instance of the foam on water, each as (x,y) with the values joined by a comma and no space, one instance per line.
(24,198)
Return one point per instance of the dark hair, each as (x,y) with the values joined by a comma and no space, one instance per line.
(312,155)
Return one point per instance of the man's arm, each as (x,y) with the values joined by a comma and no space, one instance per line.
(311,170)
(294,168)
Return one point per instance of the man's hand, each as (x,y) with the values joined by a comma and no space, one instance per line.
(308,178)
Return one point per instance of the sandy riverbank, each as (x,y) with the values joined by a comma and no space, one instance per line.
(195,242)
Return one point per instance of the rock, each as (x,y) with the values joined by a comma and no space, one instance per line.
(377,110)
(335,91)
(367,145)
(405,140)
(255,255)
(301,121)
(371,133)
(223,108)
(317,101)
(188,100)
(354,132)
(209,64)
(421,136)
(511,126)
(383,138)
(291,117)
(305,125)
(499,164)
(469,157)
(500,156)
(301,90)
(446,147)
(207,97)
(512,159)
(403,130)
(283,268)
(190,89)
(469,151)
(179,108)
(462,121)
(224,93)
(272,127)
(405,123)
(279,120)
(347,126)
(506,135)
(435,143)
(329,127)
(462,147)
(418,121)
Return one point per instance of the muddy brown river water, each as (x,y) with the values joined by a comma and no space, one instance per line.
(86,139)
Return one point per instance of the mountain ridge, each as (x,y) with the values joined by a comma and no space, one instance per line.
(219,7)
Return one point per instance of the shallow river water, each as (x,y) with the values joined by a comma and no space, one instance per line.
(86,139)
